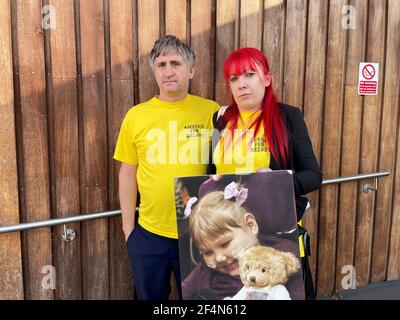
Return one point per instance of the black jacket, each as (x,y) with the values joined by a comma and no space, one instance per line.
(307,175)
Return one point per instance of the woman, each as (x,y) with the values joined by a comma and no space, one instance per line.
(259,134)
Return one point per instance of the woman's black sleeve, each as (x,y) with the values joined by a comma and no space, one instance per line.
(307,175)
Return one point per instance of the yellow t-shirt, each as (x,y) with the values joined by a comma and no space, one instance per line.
(247,153)
(165,140)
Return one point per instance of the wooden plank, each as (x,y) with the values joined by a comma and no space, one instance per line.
(175,18)
(392,88)
(294,60)
(251,23)
(11,283)
(120,270)
(370,144)
(34,148)
(203,44)
(122,98)
(351,144)
(331,147)
(121,37)
(388,142)
(94,165)
(273,41)
(314,106)
(226,25)
(66,188)
(149,31)
(64,133)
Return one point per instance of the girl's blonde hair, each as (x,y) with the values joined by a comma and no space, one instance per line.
(214,216)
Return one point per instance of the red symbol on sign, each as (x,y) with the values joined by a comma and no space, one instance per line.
(368,71)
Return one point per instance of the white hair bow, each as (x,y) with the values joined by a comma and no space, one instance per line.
(232,190)
(189,205)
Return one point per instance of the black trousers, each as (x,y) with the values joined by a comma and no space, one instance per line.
(153,258)
(308,281)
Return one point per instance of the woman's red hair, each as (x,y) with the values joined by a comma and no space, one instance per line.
(237,63)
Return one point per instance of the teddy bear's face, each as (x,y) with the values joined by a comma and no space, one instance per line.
(262,266)
(255,274)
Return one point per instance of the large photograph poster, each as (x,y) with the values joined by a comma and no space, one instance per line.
(238,237)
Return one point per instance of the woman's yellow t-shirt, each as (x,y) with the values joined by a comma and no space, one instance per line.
(247,153)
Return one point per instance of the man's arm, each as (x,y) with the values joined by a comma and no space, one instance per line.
(128,196)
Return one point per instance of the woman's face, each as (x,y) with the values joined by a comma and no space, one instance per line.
(221,253)
(248,89)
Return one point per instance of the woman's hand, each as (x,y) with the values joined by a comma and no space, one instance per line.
(216,177)
(264,170)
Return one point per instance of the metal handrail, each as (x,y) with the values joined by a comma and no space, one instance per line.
(357,177)
(108,214)
(59,221)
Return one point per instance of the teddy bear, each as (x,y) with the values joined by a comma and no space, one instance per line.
(264,272)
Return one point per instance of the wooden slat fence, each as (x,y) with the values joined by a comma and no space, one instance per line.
(65,90)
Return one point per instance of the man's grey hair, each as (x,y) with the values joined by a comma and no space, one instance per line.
(171,44)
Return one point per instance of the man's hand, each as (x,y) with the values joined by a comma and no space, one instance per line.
(127,234)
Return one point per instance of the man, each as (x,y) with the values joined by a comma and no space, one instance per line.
(153,146)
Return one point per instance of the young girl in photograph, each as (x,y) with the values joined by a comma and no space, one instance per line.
(221,229)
